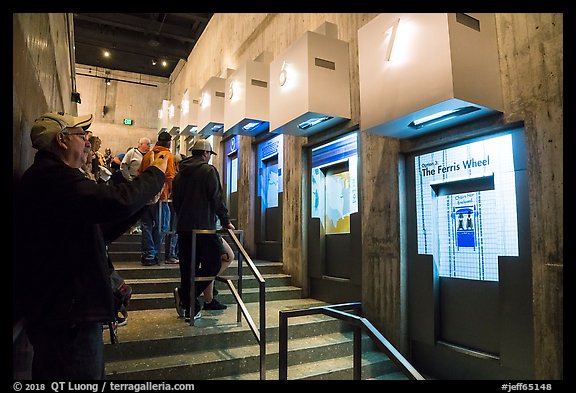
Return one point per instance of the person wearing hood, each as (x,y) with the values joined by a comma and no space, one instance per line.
(198,201)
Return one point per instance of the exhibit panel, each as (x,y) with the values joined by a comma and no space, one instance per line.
(231,166)
(334,230)
(469,264)
(269,199)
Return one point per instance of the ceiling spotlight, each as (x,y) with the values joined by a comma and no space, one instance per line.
(153,62)
(164,63)
(108,81)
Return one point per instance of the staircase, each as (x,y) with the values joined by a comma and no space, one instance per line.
(157,345)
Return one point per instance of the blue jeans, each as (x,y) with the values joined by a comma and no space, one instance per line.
(169,224)
(151,240)
(172,246)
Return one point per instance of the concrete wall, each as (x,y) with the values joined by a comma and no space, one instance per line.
(531,65)
(42,76)
(133,96)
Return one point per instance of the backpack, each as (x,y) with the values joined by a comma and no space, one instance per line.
(121,292)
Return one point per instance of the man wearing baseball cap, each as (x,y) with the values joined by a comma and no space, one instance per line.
(198,201)
(62,285)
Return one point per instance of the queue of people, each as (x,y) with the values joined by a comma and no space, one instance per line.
(62,284)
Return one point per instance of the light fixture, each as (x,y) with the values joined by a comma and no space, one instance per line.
(153,62)
(250,126)
(106,53)
(312,122)
(441,116)
(216,128)
(164,63)
(108,81)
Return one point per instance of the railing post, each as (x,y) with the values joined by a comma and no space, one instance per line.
(262,290)
(240,281)
(283,346)
(193,280)
(357,353)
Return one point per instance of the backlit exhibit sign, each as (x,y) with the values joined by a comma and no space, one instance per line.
(466,207)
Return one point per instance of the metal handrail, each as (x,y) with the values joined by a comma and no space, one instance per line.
(259,333)
(358,323)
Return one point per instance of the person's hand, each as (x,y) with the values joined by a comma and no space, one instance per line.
(161,162)
(230,226)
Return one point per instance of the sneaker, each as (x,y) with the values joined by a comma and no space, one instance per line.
(149,261)
(172,261)
(215,305)
(121,321)
(197,313)
(178,302)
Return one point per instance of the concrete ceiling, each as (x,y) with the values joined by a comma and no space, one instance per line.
(136,40)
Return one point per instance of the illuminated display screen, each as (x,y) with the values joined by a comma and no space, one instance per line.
(466,207)
(233,180)
(334,188)
(211,140)
(231,150)
(270,157)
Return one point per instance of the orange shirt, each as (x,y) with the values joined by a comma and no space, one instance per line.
(170,169)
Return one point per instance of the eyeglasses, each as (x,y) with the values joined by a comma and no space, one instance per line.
(80,134)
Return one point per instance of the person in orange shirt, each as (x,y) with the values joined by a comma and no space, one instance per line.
(150,220)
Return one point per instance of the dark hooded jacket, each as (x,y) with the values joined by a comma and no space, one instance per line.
(64,222)
(197,196)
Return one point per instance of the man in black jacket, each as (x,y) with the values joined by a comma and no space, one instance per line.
(198,202)
(64,223)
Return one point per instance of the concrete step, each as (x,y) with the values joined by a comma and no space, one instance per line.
(243,362)
(143,301)
(158,345)
(167,284)
(375,365)
(127,248)
(161,331)
(135,270)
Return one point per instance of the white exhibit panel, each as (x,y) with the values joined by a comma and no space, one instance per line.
(188,114)
(211,107)
(246,107)
(420,72)
(174,131)
(310,85)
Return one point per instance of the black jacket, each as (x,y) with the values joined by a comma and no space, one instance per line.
(197,196)
(63,223)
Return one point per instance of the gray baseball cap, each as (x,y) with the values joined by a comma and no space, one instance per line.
(202,144)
